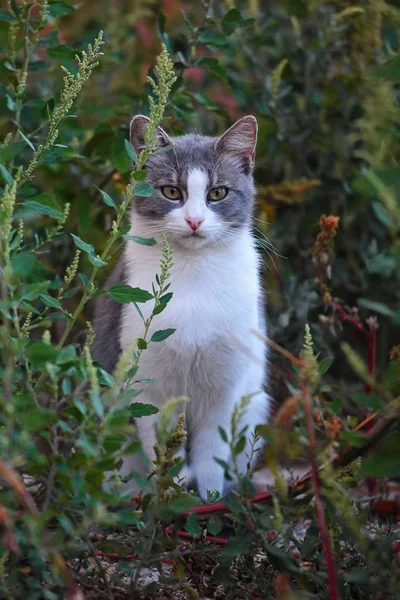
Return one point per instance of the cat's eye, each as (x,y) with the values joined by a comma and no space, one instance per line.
(171,192)
(217,193)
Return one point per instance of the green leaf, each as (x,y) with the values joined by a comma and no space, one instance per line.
(182,504)
(142,344)
(11,151)
(123,293)
(240,446)
(382,214)
(131,152)
(11,104)
(233,20)
(223,464)
(140,240)
(126,517)
(5,15)
(139,175)
(378,307)
(223,435)
(51,155)
(214,67)
(214,525)
(96,261)
(107,199)
(37,65)
(96,403)
(23,263)
(32,291)
(62,52)
(66,355)
(42,209)
(354,438)
(36,418)
(105,378)
(359,576)
(163,149)
(50,301)
(213,38)
(26,140)
(6,175)
(59,9)
(390,71)
(384,462)
(144,190)
(193,525)
(139,409)
(166,298)
(39,353)
(161,335)
(336,405)
(88,248)
(325,365)
(236,546)
(126,397)
(371,400)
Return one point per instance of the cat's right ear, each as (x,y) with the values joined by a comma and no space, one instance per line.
(240,140)
(137,129)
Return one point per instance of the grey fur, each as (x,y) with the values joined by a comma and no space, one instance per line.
(107,324)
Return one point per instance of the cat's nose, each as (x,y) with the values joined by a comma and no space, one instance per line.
(194,222)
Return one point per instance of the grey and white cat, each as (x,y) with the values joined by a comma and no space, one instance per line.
(203,204)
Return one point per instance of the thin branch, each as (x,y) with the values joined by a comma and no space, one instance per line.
(316,486)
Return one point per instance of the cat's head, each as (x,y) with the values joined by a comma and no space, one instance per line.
(204,185)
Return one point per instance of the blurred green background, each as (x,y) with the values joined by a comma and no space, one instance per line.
(322,78)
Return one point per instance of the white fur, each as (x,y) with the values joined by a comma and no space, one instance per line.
(194,207)
(214,309)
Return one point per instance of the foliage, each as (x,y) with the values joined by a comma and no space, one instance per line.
(322,78)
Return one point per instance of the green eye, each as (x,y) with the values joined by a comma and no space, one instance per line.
(217,193)
(171,192)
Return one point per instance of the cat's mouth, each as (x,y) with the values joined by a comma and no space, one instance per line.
(192,240)
(193,234)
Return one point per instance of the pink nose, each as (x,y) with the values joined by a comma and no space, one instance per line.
(193,222)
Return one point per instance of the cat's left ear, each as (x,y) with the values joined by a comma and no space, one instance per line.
(137,129)
(240,140)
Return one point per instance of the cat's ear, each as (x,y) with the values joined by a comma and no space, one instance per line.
(137,128)
(240,140)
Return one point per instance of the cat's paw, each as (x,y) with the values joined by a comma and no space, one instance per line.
(211,479)
(185,477)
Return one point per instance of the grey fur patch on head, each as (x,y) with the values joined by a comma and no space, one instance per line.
(227,160)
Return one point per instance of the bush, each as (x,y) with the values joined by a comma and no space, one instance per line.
(322,79)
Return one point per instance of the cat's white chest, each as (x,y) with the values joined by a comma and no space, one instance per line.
(214,295)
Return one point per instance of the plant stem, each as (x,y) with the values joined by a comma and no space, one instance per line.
(316,486)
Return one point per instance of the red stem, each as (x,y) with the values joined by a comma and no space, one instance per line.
(316,485)
(184,535)
(371,356)
(194,578)
(344,315)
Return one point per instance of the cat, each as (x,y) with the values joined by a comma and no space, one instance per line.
(203,203)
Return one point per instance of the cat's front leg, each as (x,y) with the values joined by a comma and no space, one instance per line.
(206,444)
(256,413)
